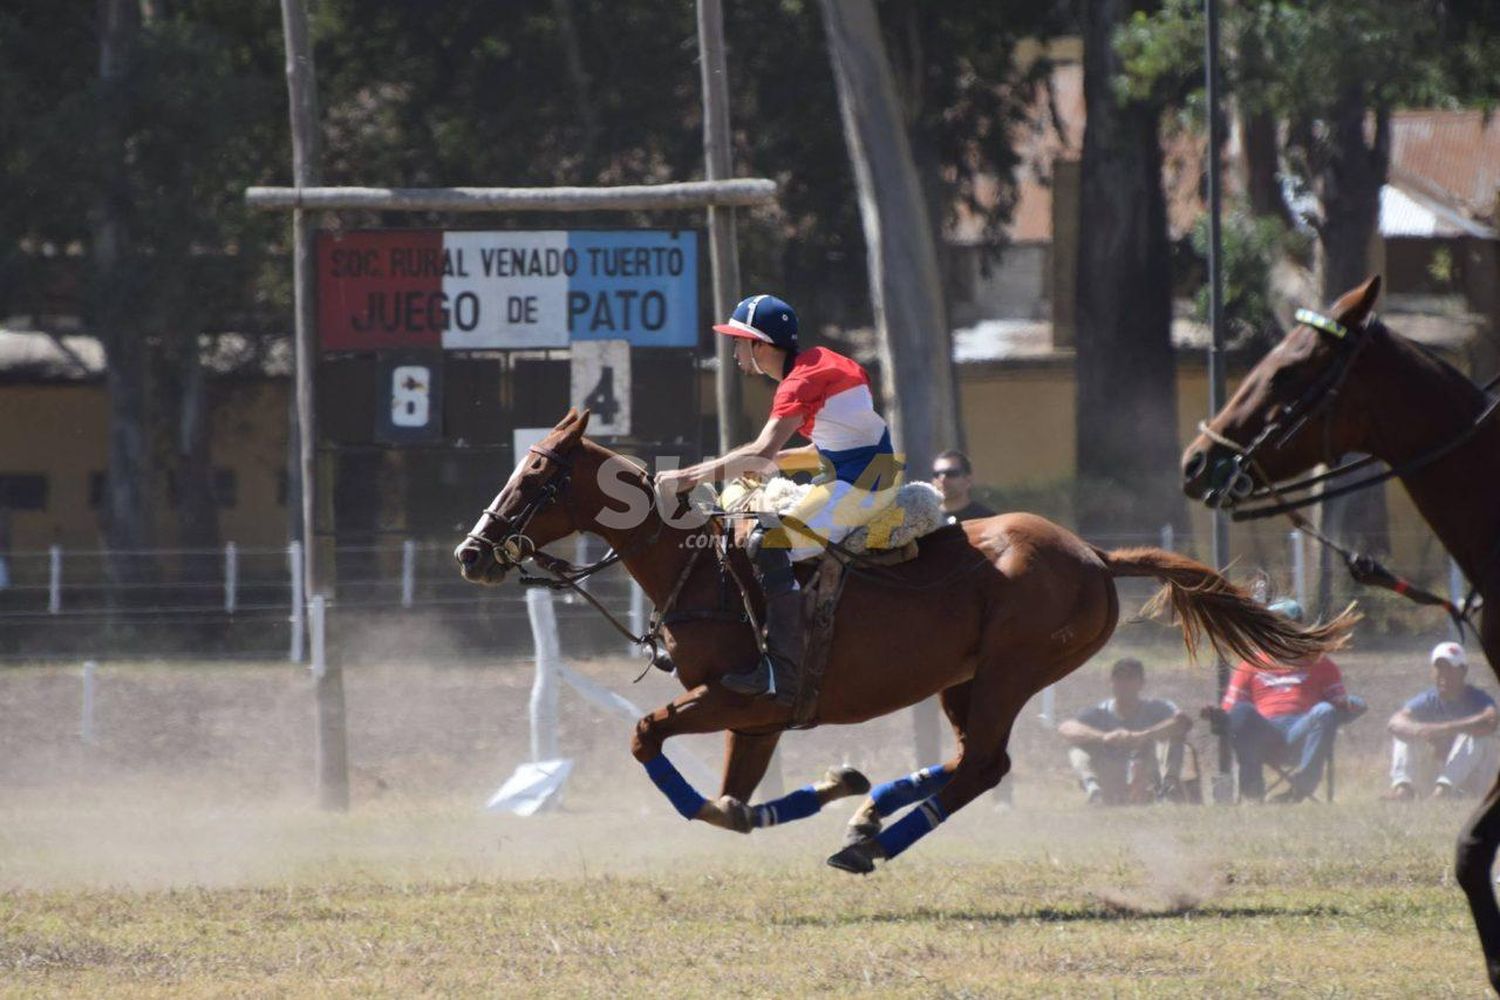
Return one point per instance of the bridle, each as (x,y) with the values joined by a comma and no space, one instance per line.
(1320,395)
(514,547)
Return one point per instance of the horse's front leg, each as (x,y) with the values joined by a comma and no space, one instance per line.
(746,756)
(708,709)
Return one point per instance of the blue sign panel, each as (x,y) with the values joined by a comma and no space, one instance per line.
(638,286)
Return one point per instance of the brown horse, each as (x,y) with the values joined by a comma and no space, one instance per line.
(1354,385)
(985,616)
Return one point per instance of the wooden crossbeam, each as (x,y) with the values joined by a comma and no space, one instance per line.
(736,192)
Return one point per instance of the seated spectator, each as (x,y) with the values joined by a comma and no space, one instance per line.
(1272,709)
(1453,719)
(1127,748)
(954,478)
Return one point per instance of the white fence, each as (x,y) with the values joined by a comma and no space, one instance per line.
(241,601)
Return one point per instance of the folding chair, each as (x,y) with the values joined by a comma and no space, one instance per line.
(1283,772)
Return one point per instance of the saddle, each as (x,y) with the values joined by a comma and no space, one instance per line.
(890,539)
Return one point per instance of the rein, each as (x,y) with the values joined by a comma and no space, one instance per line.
(513,550)
(1321,394)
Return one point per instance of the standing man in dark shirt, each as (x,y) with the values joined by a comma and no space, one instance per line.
(954,477)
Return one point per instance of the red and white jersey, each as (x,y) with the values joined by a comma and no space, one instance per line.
(831,393)
(1284,690)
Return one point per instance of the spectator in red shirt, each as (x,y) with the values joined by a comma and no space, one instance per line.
(1272,706)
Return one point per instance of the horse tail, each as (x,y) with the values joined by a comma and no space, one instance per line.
(1206,604)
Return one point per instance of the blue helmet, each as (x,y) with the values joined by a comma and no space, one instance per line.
(765,318)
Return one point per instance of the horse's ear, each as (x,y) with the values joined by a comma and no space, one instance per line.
(1355,305)
(569,418)
(573,427)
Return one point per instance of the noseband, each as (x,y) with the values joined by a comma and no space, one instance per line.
(1318,397)
(514,547)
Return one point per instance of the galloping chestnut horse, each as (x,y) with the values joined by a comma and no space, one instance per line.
(1350,385)
(986,616)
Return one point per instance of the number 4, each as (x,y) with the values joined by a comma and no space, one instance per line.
(601,398)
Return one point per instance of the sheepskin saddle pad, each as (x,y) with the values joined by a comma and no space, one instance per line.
(918,511)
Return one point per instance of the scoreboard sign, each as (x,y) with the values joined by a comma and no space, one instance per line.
(409,394)
(463,290)
(600,382)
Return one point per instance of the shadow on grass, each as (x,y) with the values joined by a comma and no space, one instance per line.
(1103,913)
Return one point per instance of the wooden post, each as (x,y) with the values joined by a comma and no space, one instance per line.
(677,196)
(723,251)
(302,94)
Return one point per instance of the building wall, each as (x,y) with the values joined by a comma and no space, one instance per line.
(1019,421)
(1021,431)
(60,430)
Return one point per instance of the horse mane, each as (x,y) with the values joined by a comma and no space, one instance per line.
(1429,359)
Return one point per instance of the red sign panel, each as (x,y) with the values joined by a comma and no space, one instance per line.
(381,290)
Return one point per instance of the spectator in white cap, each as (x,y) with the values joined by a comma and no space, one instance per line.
(1456,721)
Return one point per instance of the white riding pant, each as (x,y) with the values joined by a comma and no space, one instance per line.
(1469,766)
(829,513)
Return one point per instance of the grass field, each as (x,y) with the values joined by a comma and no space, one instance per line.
(181,855)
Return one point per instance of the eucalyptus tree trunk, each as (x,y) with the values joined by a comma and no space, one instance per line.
(905,281)
(1259,142)
(1127,383)
(127,508)
(1348,181)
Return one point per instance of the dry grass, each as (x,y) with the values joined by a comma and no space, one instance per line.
(181,856)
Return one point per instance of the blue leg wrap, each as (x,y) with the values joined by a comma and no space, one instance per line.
(674,786)
(915,787)
(910,828)
(797,805)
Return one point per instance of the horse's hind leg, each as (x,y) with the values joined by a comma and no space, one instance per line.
(746,758)
(993,704)
(918,786)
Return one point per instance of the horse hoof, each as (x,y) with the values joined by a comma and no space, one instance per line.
(850,780)
(858,834)
(741,818)
(854,859)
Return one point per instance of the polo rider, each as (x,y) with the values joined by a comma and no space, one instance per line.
(826,398)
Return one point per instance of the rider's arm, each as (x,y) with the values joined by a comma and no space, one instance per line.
(776,433)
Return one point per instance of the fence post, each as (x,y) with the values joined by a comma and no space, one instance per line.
(318,633)
(1298,542)
(54,583)
(299,601)
(543,707)
(1168,538)
(408,572)
(231,577)
(637,614)
(86,722)
(1456,587)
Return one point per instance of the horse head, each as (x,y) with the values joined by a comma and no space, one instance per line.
(536,506)
(565,483)
(1297,407)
